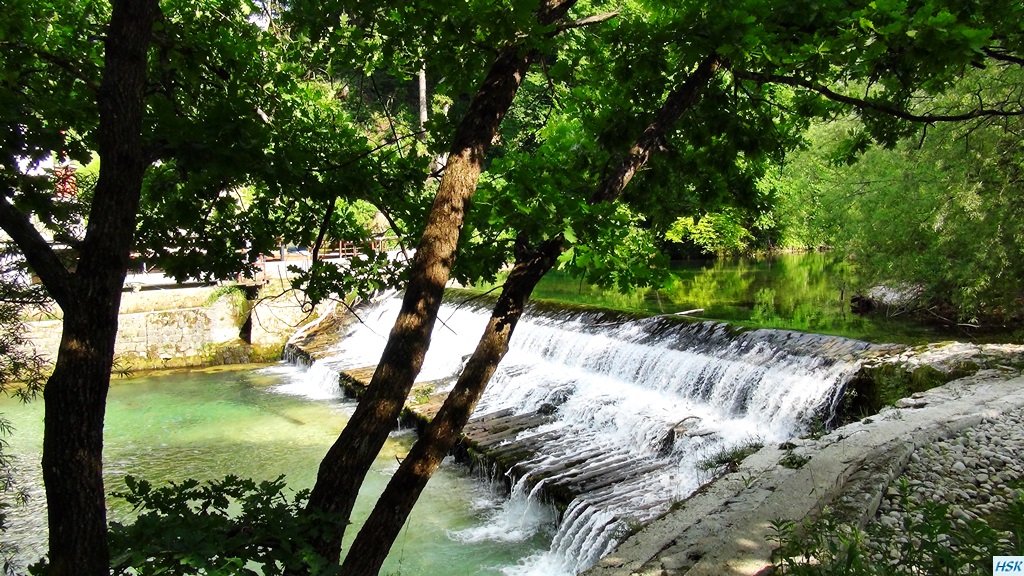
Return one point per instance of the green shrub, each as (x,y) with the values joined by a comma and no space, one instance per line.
(223,527)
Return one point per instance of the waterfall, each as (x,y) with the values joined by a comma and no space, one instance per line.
(636,406)
(317,382)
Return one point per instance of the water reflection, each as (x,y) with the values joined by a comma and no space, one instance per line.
(808,292)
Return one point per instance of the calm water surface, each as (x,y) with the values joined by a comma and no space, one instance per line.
(808,292)
(205,424)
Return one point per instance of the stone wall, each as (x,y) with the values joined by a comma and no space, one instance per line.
(159,338)
(179,328)
(275,317)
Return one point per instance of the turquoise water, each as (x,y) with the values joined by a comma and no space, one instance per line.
(205,424)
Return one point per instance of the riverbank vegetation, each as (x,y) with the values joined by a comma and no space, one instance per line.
(928,227)
(927,230)
(933,223)
(806,291)
(541,134)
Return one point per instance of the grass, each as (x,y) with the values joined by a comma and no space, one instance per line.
(729,458)
(421,394)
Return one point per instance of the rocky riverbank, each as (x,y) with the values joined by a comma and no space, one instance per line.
(850,474)
(972,480)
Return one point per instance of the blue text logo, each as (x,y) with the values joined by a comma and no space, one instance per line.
(1008,564)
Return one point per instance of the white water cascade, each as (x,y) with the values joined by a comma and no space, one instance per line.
(636,406)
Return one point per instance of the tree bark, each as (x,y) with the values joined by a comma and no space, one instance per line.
(374,540)
(345,466)
(678,101)
(75,394)
(422,77)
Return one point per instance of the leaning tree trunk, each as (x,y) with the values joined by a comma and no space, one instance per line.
(374,540)
(345,466)
(678,102)
(75,395)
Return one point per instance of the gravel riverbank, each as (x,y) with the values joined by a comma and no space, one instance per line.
(973,479)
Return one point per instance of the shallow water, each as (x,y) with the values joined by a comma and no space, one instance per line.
(260,423)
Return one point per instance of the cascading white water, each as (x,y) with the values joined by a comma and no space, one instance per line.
(318,382)
(454,336)
(637,406)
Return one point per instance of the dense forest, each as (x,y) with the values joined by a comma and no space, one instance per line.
(517,137)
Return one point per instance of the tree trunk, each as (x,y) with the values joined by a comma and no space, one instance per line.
(678,101)
(75,398)
(344,467)
(371,546)
(75,394)
(374,540)
(422,76)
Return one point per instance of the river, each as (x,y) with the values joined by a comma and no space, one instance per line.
(809,292)
(269,421)
(260,423)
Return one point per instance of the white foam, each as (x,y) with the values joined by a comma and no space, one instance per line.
(646,399)
(543,564)
(516,519)
(318,382)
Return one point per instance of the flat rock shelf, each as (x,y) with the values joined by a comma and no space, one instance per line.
(725,529)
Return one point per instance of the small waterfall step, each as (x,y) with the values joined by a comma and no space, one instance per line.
(515,444)
(421,406)
(506,440)
(506,429)
(354,381)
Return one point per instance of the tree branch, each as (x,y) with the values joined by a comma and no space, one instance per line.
(62,63)
(398,231)
(1003,56)
(387,114)
(865,104)
(595,19)
(338,166)
(552,11)
(37,252)
(67,66)
(323,228)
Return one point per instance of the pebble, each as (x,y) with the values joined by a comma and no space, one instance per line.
(977,474)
